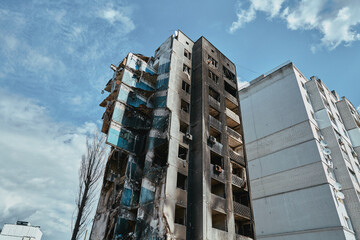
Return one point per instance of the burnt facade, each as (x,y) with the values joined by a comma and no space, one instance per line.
(177,167)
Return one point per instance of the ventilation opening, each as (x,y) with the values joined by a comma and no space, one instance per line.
(218,220)
(181,181)
(182,152)
(180,215)
(218,188)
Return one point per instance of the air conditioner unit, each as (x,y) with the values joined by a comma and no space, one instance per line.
(217,168)
(341,141)
(337,186)
(188,136)
(212,139)
(354,154)
(340,195)
(321,137)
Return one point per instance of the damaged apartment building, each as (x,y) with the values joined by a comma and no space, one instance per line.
(177,167)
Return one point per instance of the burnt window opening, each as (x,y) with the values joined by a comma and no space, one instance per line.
(214,113)
(240,196)
(187,54)
(214,94)
(218,220)
(237,170)
(228,74)
(185,86)
(184,127)
(185,106)
(213,76)
(243,227)
(216,159)
(218,188)
(180,215)
(212,62)
(186,69)
(161,154)
(230,89)
(183,152)
(181,181)
(215,133)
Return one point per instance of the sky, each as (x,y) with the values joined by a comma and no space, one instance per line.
(55,60)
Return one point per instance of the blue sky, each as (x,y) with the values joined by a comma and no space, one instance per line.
(56,55)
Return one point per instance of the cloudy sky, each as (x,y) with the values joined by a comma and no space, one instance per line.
(55,58)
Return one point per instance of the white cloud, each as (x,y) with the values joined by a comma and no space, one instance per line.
(242,84)
(39,165)
(117,16)
(336,21)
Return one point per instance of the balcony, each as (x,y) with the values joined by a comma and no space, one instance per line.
(237,181)
(242,210)
(218,203)
(233,120)
(217,147)
(236,157)
(217,175)
(214,102)
(215,123)
(234,138)
(231,101)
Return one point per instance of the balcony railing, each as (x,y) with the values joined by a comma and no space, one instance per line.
(237,181)
(236,157)
(231,98)
(217,147)
(234,134)
(214,102)
(214,122)
(242,210)
(232,115)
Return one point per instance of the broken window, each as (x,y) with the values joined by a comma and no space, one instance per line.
(214,94)
(228,74)
(183,127)
(218,188)
(212,62)
(187,54)
(213,76)
(181,181)
(185,86)
(182,152)
(184,106)
(230,89)
(237,170)
(180,215)
(186,69)
(216,159)
(161,154)
(218,220)
(242,226)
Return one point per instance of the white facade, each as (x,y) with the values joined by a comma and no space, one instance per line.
(294,183)
(20,232)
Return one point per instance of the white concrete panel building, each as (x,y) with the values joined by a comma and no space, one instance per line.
(303,166)
(20,231)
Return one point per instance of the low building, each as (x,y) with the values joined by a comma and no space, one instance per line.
(20,231)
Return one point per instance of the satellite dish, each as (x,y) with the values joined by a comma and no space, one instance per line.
(340,195)
(323,143)
(327,151)
(337,186)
